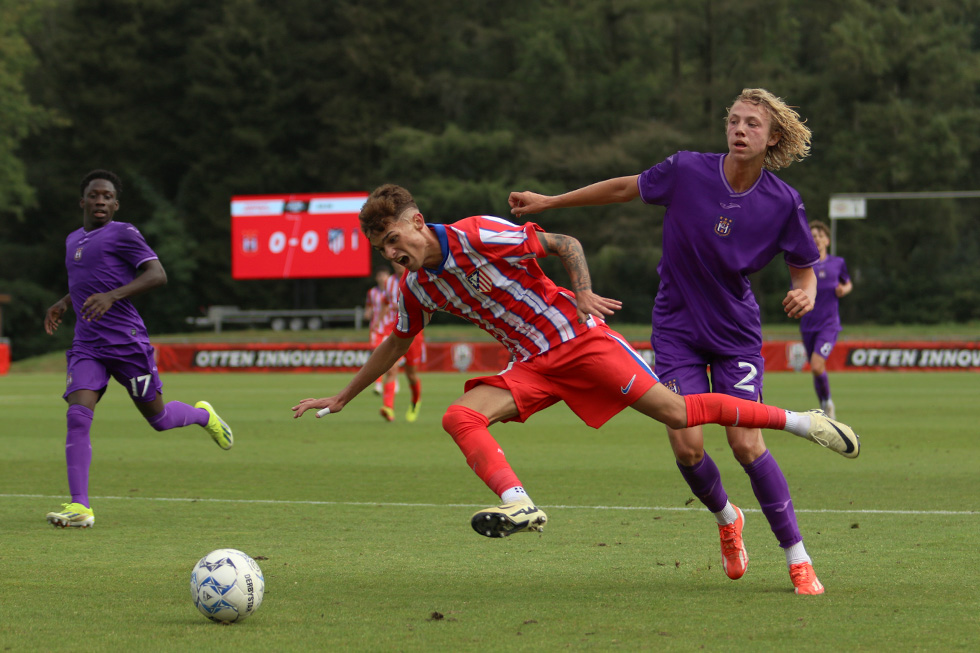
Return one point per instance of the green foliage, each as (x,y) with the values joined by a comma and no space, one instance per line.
(23,319)
(463,102)
(19,115)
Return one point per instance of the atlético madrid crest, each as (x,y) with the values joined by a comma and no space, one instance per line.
(480,280)
(724,226)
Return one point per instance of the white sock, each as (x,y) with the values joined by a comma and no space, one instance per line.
(726,515)
(797,554)
(515,493)
(797,423)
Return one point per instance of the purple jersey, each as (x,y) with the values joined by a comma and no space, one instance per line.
(714,238)
(830,272)
(99,261)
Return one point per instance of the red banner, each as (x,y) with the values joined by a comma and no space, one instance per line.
(4,358)
(780,356)
(319,357)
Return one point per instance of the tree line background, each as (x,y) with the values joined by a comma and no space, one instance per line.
(463,101)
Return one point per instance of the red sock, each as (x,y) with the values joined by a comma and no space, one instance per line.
(713,408)
(416,392)
(484,456)
(388,396)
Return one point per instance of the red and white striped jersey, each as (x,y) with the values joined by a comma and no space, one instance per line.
(490,277)
(381,314)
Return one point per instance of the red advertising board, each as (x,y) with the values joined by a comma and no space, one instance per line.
(302,235)
(780,356)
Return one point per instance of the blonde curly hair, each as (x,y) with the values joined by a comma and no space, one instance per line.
(794,135)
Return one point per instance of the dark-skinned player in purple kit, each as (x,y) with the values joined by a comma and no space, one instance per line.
(108,262)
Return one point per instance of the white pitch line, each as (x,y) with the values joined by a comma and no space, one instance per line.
(481,505)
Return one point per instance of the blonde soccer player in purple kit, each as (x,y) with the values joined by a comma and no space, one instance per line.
(108,262)
(820,327)
(727,216)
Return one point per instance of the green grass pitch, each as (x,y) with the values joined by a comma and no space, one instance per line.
(362,527)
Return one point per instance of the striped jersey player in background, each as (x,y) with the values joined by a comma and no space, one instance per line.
(380,318)
(484,269)
(413,359)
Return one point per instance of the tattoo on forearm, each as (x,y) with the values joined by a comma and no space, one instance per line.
(569,250)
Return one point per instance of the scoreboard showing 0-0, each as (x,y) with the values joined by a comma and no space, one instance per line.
(298,236)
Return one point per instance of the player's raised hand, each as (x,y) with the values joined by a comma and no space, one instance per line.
(526,202)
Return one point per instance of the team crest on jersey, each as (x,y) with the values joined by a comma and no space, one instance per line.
(78,254)
(724,226)
(480,280)
(673,386)
(822,273)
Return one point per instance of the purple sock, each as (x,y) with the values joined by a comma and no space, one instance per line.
(705,481)
(772,491)
(177,414)
(78,452)
(822,385)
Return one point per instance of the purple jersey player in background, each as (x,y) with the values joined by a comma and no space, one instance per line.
(820,326)
(108,262)
(727,216)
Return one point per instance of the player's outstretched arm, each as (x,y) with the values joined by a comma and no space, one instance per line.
(610,191)
(52,318)
(384,357)
(569,250)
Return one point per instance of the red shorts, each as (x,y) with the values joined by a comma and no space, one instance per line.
(415,356)
(597,375)
(377,337)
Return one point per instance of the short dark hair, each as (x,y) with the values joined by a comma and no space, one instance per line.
(820,226)
(384,205)
(108,175)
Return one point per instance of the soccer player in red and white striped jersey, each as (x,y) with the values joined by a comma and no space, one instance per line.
(380,317)
(484,269)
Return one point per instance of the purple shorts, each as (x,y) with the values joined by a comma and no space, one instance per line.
(821,342)
(132,365)
(686,370)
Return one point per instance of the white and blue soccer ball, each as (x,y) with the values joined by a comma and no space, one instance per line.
(227,585)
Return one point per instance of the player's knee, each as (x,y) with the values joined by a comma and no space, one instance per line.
(746,450)
(458,419)
(688,456)
(675,416)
